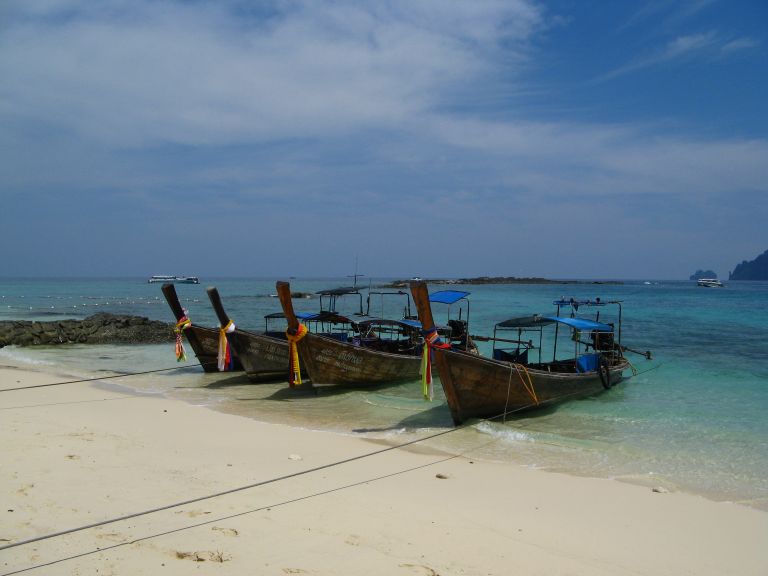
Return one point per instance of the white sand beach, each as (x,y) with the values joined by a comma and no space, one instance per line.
(81,454)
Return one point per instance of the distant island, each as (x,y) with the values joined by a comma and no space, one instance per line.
(757,269)
(500,280)
(699,274)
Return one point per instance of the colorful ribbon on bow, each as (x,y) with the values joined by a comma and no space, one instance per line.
(294,370)
(431,340)
(181,325)
(225,359)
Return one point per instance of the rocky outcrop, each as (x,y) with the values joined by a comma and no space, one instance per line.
(757,269)
(97,329)
(699,274)
(499,280)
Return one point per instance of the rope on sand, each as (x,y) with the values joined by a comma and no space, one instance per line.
(97,378)
(249,486)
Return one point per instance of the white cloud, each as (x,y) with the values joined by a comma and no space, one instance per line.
(562,160)
(362,115)
(670,14)
(739,44)
(678,50)
(683,46)
(202,73)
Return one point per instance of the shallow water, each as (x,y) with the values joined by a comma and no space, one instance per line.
(692,419)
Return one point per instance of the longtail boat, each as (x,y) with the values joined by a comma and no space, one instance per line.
(264,355)
(509,382)
(375,351)
(204,341)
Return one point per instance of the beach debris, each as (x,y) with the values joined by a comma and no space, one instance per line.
(295,457)
(660,490)
(189,555)
(441,476)
(194,513)
(25,489)
(353,540)
(113,536)
(203,556)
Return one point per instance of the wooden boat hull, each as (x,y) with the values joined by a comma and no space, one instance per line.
(263,357)
(203,341)
(205,344)
(478,387)
(332,362)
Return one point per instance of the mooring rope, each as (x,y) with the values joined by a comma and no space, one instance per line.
(96,378)
(502,415)
(226,492)
(528,387)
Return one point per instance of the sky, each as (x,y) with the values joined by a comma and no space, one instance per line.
(558,139)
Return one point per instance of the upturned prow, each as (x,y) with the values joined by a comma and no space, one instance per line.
(420,295)
(169,291)
(218,306)
(284,294)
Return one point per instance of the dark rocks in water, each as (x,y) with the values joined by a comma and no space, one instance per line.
(699,274)
(757,269)
(301,295)
(100,328)
(500,280)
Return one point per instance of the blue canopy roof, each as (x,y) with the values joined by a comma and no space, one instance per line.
(307,315)
(447,296)
(581,324)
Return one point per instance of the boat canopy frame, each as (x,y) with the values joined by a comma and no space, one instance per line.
(382,294)
(451,298)
(536,323)
(333,295)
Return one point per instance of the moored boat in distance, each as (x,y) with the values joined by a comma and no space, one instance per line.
(511,381)
(174,279)
(710,283)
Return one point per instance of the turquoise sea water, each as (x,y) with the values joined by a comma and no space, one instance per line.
(693,419)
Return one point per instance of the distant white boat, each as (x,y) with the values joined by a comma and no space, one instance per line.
(710,283)
(175,279)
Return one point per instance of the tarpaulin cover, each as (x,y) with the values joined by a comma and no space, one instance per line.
(447,296)
(581,324)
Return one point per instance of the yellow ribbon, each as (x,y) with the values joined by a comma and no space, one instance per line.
(181,325)
(427,388)
(294,371)
(225,352)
